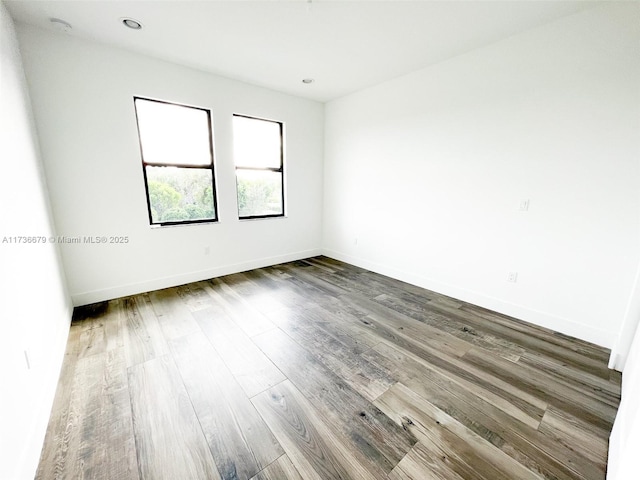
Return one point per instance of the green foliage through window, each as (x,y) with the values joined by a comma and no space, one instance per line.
(259,192)
(179,194)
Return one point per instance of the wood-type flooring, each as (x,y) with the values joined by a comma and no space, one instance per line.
(317,369)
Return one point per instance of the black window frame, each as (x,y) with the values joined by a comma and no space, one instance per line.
(268,169)
(211,166)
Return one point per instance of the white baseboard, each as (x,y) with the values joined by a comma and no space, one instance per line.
(565,326)
(94,296)
(544,319)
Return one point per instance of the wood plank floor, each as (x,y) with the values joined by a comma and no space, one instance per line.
(321,370)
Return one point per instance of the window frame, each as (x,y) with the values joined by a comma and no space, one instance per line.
(146,164)
(265,169)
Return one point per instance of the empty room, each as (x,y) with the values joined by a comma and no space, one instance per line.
(317,239)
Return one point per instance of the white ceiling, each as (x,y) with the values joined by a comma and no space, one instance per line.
(344,46)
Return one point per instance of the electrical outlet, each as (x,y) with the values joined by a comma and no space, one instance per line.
(207,250)
(512,277)
(524,205)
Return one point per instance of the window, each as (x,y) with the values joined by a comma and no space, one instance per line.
(177,162)
(258,153)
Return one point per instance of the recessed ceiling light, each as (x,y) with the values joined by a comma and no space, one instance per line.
(307,80)
(131,23)
(60,25)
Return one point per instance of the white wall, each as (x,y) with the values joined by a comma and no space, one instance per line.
(424,174)
(35,309)
(83,103)
(627,331)
(624,443)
